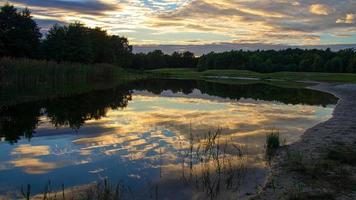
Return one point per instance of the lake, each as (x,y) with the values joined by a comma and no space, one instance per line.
(158,138)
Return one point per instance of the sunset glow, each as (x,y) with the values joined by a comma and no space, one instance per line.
(207,21)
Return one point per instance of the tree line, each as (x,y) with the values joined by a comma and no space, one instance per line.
(296,60)
(157,59)
(314,60)
(20,36)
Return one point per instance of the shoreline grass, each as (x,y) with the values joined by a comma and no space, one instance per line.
(272,140)
(191,73)
(23,80)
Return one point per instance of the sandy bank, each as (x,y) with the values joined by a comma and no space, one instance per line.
(285,182)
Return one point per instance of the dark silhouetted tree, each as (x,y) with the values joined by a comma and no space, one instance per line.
(157,59)
(19,33)
(334,65)
(351,67)
(121,51)
(77,43)
(55,46)
(283,60)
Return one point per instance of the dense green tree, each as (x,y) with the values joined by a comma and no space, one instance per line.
(100,43)
(188,59)
(157,59)
(77,43)
(54,47)
(282,60)
(175,59)
(69,43)
(317,64)
(351,67)
(121,51)
(19,33)
(334,65)
(306,63)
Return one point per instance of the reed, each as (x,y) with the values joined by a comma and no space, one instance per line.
(24,79)
(37,72)
(214,166)
(273,140)
(102,190)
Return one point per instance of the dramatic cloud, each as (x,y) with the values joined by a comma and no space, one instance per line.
(349,19)
(84,6)
(319,9)
(298,22)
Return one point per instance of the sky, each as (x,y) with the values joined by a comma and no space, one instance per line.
(201,22)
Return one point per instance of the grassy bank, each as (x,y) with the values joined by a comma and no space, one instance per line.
(23,80)
(282,76)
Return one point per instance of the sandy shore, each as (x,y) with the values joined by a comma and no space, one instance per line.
(336,181)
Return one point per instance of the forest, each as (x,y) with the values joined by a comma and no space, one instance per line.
(20,37)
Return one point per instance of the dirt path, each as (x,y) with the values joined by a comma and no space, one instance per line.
(322,165)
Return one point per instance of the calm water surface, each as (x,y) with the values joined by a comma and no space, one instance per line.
(165,139)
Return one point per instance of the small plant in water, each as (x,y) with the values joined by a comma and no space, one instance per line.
(272,140)
(26,193)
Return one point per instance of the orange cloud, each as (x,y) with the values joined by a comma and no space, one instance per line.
(319,9)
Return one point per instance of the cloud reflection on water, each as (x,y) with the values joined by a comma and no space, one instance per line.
(152,130)
(153,122)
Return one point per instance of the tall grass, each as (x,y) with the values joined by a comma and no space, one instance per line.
(34,72)
(272,144)
(24,78)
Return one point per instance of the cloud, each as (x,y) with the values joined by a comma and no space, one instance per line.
(349,19)
(82,6)
(141,128)
(27,158)
(206,21)
(33,165)
(320,9)
(28,150)
(277,22)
